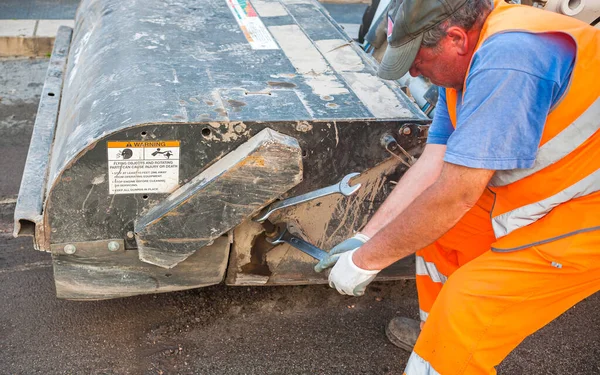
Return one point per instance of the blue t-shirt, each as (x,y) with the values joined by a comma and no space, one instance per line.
(515,79)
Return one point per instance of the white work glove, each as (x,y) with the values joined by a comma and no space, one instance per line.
(350,244)
(348,278)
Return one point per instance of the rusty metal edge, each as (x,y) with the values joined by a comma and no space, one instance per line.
(28,219)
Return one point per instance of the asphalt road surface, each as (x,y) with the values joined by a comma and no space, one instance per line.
(215,330)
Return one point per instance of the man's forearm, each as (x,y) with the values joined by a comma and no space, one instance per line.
(426,219)
(418,178)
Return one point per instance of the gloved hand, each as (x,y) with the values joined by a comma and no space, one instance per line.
(348,278)
(352,243)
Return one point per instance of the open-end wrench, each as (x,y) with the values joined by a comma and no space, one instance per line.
(342,187)
(284,236)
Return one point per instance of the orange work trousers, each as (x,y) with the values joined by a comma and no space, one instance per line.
(479,304)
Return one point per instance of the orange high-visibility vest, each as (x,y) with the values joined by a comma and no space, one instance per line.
(560,195)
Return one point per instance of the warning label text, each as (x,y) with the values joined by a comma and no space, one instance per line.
(143,167)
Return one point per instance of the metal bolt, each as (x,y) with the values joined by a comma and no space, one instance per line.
(70,249)
(238,128)
(130,235)
(389,142)
(406,130)
(113,246)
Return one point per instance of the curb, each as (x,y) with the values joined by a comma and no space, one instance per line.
(29,38)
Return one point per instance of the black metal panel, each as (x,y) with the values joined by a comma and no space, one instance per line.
(80,207)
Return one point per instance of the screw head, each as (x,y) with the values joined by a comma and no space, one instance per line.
(70,249)
(406,130)
(113,246)
(130,235)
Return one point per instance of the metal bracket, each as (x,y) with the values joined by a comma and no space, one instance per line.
(28,211)
(88,249)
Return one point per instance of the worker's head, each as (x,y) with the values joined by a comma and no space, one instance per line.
(433,38)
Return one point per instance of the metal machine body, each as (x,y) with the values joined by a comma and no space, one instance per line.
(180,121)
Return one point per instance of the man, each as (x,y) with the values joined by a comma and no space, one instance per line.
(503,207)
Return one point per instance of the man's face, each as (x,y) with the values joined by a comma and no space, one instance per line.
(440,66)
(447,63)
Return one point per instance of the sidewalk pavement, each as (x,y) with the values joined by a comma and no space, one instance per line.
(29,38)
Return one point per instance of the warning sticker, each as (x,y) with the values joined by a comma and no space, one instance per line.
(255,31)
(143,167)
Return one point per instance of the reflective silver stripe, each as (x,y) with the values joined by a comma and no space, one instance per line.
(523,216)
(418,366)
(423,315)
(558,147)
(429,269)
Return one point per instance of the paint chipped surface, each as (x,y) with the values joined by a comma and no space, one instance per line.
(376,95)
(299,49)
(201,62)
(103,96)
(99,179)
(139,35)
(341,55)
(269,8)
(325,85)
(293,2)
(303,126)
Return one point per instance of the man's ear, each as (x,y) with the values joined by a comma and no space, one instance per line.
(458,39)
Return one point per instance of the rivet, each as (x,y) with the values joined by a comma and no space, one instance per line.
(406,130)
(70,249)
(238,128)
(130,235)
(113,246)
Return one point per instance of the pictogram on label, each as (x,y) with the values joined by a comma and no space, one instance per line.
(137,167)
(253,28)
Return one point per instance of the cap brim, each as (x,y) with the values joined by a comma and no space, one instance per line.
(397,60)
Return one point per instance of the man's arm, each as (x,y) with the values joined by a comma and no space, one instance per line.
(418,178)
(426,219)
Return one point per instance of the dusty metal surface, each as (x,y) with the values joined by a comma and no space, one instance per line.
(28,211)
(94,272)
(141,62)
(81,209)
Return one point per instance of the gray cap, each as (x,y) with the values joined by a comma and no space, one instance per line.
(407,21)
